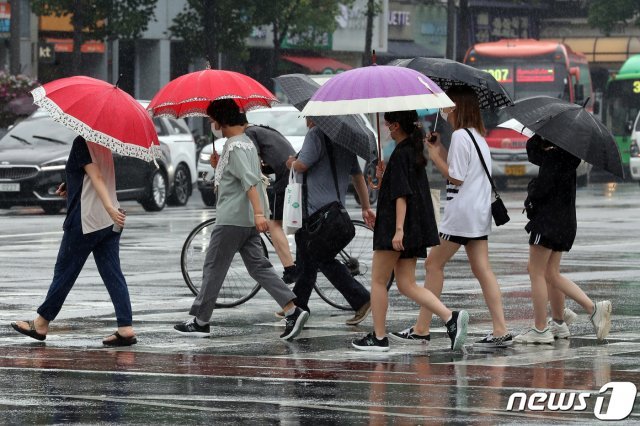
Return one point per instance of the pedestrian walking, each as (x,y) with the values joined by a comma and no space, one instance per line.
(467,215)
(240,217)
(93,224)
(327,167)
(274,150)
(405,226)
(551,210)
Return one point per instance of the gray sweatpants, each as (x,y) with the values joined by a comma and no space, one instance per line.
(226,241)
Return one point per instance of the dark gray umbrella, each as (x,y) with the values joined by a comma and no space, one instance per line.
(446,73)
(570,127)
(348,131)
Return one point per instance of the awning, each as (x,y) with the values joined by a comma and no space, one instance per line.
(65,45)
(318,64)
(603,49)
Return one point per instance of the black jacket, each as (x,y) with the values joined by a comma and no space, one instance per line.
(551,200)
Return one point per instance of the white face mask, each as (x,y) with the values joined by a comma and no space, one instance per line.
(216,133)
(444,115)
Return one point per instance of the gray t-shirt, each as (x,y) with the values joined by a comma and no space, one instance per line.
(274,150)
(320,187)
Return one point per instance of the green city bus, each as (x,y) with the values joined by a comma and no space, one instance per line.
(622,104)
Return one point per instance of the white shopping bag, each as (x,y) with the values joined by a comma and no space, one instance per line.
(292,212)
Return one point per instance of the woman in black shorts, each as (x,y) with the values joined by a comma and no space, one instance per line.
(405,226)
(551,209)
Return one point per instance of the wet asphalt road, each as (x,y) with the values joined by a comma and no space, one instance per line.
(245,374)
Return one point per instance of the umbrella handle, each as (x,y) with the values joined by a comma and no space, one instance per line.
(373,185)
(379,172)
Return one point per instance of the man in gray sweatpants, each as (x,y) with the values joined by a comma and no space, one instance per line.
(240,217)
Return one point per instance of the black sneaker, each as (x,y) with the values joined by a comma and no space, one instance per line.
(290,274)
(371,343)
(457,329)
(191,328)
(409,337)
(495,342)
(294,325)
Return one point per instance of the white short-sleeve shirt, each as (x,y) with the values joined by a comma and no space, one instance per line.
(467,211)
(94,215)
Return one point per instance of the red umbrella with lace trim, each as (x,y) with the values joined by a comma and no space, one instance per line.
(101,113)
(190,95)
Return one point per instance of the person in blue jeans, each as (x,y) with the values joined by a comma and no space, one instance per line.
(313,160)
(92,211)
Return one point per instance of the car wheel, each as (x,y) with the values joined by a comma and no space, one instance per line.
(156,197)
(208,197)
(181,187)
(51,208)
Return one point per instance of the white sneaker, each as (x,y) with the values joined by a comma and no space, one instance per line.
(559,331)
(568,316)
(535,336)
(601,319)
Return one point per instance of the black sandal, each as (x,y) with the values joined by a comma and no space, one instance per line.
(120,340)
(31,332)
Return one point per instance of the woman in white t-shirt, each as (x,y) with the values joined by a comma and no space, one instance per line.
(467,216)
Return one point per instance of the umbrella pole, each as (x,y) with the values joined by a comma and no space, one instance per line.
(380,161)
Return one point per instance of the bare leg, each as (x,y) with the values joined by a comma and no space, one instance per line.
(406,279)
(434,279)
(556,300)
(565,285)
(538,261)
(478,255)
(280,242)
(383,263)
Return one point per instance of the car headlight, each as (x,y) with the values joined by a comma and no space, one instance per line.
(204,157)
(57,164)
(633,149)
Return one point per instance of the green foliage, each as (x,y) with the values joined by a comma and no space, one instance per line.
(227,31)
(13,87)
(125,19)
(606,14)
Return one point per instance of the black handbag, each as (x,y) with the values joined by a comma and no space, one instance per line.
(498,209)
(329,229)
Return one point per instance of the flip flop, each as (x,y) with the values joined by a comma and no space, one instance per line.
(120,340)
(31,332)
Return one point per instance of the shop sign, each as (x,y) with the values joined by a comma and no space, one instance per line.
(5,20)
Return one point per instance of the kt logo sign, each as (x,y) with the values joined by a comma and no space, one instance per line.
(619,406)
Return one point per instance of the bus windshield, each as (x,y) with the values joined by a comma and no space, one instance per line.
(523,79)
(622,105)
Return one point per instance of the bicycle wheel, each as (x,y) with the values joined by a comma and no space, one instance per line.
(357,257)
(238,286)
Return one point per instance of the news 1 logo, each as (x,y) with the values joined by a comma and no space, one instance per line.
(619,406)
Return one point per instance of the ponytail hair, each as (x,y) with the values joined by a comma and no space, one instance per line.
(408,121)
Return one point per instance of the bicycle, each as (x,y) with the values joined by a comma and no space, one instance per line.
(238,287)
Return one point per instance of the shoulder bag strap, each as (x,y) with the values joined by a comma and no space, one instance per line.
(484,165)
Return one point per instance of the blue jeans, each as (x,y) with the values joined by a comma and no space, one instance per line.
(72,255)
(337,273)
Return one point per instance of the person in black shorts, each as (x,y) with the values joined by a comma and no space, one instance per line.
(405,226)
(551,210)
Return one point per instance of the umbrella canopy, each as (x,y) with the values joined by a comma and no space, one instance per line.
(446,73)
(190,95)
(570,127)
(348,131)
(376,88)
(101,113)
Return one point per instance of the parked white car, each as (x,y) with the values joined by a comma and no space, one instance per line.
(178,167)
(634,150)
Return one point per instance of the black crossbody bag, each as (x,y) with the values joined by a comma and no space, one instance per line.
(498,209)
(329,229)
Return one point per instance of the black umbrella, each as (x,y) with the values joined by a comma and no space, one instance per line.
(570,127)
(446,73)
(348,131)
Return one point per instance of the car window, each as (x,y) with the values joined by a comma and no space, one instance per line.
(178,127)
(40,131)
(289,123)
(159,127)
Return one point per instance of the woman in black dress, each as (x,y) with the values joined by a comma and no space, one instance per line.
(551,209)
(405,226)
